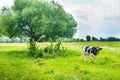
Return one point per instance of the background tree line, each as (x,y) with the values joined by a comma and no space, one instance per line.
(92,38)
(88,38)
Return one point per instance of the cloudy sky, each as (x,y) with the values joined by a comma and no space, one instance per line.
(100,18)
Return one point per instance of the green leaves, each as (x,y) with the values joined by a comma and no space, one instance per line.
(38,18)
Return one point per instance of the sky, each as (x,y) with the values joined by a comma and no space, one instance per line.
(99,18)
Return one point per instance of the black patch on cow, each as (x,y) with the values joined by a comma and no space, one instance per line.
(94,50)
(86,48)
(89,50)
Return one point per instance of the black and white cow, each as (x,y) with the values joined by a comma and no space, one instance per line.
(91,51)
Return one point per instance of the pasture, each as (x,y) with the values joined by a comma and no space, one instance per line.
(15,65)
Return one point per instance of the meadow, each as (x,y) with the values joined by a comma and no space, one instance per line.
(15,65)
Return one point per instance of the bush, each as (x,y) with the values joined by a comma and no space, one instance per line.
(55,50)
(57,46)
(49,52)
(32,48)
(49,49)
(39,53)
(62,52)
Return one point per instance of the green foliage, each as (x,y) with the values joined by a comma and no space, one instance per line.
(39,53)
(94,38)
(32,48)
(49,49)
(88,38)
(110,39)
(60,50)
(113,39)
(57,46)
(37,19)
(55,50)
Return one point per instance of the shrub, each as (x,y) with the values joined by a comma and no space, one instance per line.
(63,52)
(57,46)
(55,50)
(32,48)
(39,53)
(48,49)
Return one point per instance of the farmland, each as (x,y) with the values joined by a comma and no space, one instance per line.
(15,65)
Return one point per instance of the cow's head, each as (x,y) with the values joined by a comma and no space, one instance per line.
(98,49)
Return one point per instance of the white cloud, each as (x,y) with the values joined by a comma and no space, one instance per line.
(92,13)
(7,3)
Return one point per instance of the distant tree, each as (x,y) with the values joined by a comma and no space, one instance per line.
(113,39)
(109,39)
(94,38)
(88,38)
(37,19)
(77,40)
(81,40)
(103,39)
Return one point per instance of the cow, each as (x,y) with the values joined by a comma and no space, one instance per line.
(92,51)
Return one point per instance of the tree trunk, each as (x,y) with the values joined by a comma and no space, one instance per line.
(32,47)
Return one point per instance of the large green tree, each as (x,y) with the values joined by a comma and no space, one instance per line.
(37,19)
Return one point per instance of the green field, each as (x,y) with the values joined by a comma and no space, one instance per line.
(15,65)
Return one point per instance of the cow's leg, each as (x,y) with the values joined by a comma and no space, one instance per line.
(90,57)
(84,56)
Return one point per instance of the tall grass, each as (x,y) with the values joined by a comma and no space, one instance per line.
(15,65)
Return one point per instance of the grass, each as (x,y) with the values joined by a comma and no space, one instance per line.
(15,65)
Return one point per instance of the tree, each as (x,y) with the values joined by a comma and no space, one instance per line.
(88,38)
(94,38)
(112,39)
(37,19)
(81,40)
(103,39)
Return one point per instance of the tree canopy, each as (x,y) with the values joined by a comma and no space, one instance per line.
(88,38)
(37,19)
